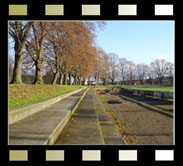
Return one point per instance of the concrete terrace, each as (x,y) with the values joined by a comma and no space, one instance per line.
(73,120)
(90,125)
(38,129)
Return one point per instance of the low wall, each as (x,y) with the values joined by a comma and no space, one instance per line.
(158,94)
(22,112)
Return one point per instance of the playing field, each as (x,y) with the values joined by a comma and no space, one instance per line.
(151,87)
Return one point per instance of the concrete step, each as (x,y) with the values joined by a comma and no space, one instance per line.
(110,133)
(83,127)
(45,126)
(26,110)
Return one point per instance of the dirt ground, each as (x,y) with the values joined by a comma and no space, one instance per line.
(142,121)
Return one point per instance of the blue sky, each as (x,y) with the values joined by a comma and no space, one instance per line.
(138,41)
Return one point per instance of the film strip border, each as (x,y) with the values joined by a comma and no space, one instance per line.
(90,155)
(90,10)
(18,157)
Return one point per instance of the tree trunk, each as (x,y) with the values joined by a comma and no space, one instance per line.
(104,81)
(70,78)
(57,70)
(17,77)
(151,81)
(96,79)
(89,83)
(161,81)
(17,72)
(123,80)
(79,80)
(61,78)
(84,81)
(141,82)
(55,77)
(19,36)
(76,80)
(39,44)
(39,72)
(65,78)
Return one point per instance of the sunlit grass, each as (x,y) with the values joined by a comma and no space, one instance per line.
(140,87)
(157,88)
(24,94)
(149,87)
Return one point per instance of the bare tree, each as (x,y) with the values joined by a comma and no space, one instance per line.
(141,70)
(122,66)
(35,49)
(11,63)
(28,69)
(160,67)
(113,66)
(54,45)
(170,72)
(150,74)
(64,48)
(19,31)
(105,69)
(100,64)
(131,71)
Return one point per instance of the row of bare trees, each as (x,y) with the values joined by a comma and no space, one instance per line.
(66,53)
(112,69)
(67,50)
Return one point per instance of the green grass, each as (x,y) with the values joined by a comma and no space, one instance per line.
(20,94)
(140,87)
(150,87)
(158,89)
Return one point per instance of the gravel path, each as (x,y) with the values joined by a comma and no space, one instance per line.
(140,120)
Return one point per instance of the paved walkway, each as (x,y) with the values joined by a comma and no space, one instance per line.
(110,133)
(37,128)
(83,128)
(89,125)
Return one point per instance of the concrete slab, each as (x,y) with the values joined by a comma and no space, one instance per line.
(21,112)
(110,133)
(38,129)
(83,127)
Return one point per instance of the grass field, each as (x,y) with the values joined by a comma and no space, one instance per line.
(140,87)
(24,94)
(158,89)
(150,87)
